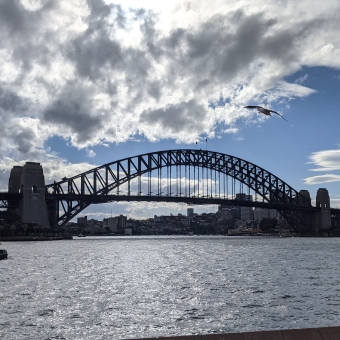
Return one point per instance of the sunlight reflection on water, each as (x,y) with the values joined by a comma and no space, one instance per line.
(135,287)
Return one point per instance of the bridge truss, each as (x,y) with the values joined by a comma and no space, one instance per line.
(9,200)
(190,176)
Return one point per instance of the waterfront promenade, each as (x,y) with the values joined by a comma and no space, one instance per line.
(322,333)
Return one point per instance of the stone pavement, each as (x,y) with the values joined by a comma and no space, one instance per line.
(322,333)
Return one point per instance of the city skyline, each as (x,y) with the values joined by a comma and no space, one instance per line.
(88,83)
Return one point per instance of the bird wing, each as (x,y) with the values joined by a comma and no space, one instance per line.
(263,110)
(278,115)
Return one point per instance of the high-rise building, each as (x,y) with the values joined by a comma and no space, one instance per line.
(82,222)
(112,223)
(117,223)
(246,213)
(260,214)
(190,212)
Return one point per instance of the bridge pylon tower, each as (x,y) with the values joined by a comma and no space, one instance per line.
(29,180)
(323,220)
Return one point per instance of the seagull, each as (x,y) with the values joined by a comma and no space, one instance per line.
(266,112)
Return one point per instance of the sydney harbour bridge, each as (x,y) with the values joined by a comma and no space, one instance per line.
(183,175)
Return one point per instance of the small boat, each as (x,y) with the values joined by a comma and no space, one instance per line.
(3,254)
(285,235)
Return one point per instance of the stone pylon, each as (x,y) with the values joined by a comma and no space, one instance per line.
(14,179)
(324,214)
(30,181)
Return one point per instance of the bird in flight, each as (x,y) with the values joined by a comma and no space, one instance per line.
(266,112)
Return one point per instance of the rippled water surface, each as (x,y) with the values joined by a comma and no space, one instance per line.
(124,288)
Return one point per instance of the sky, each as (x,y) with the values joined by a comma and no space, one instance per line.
(84,83)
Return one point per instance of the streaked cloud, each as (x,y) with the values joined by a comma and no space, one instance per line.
(302,80)
(326,161)
(327,178)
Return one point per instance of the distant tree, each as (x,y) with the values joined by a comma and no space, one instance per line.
(268,223)
(35,228)
(229,224)
(13,229)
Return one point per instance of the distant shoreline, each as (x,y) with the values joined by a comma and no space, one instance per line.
(33,238)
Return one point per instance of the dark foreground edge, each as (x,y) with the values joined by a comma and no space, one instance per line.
(322,333)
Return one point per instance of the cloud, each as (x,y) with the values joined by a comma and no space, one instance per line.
(175,121)
(301,80)
(72,113)
(96,72)
(232,130)
(9,101)
(327,178)
(326,161)
(91,153)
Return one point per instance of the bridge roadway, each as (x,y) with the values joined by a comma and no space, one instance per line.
(97,199)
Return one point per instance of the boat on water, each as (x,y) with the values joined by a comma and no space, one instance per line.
(285,235)
(3,253)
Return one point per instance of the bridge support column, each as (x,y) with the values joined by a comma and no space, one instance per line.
(30,181)
(309,217)
(14,187)
(324,214)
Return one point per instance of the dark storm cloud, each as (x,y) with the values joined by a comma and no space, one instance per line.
(285,44)
(23,140)
(13,18)
(184,116)
(95,50)
(225,45)
(9,101)
(241,48)
(150,35)
(72,112)
(221,47)
(92,54)
(22,33)
(154,90)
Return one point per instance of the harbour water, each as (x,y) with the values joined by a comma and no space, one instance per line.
(136,287)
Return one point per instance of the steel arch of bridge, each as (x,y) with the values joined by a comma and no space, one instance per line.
(74,194)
